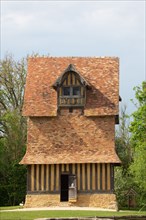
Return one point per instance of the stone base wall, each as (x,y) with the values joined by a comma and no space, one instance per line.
(104,201)
(42,200)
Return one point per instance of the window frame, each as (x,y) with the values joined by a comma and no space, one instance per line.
(63,91)
(71,91)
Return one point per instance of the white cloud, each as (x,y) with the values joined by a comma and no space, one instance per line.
(99,18)
(117,19)
(17,21)
(84,28)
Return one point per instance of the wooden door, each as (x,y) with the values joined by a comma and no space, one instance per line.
(72,187)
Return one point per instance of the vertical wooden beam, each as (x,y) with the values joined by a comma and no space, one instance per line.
(60,171)
(73,79)
(60,91)
(32,177)
(103,176)
(62,168)
(49,180)
(81,99)
(78,176)
(57,177)
(73,101)
(77,82)
(52,177)
(108,177)
(69,81)
(37,177)
(83,176)
(112,177)
(98,176)
(73,168)
(29,178)
(47,177)
(70,168)
(93,176)
(42,177)
(76,169)
(64,83)
(81,186)
(88,176)
(67,167)
(82,91)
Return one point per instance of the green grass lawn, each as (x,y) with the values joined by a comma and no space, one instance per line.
(31,215)
(9,207)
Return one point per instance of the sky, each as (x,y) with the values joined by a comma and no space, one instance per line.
(80,28)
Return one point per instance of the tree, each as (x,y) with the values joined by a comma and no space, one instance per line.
(12,130)
(123,145)
(138,140)
(123,180)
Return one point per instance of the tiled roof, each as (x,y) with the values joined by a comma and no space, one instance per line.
(101,73)
(71,138)
(35,157)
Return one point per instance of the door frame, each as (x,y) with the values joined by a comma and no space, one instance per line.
(66,189)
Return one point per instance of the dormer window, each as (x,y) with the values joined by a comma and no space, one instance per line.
(71,88)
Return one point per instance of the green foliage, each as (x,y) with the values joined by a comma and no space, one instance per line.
(123,180)
(138,125)
(12,79)
(131,148)
(12,131)
(138,140)
(123,145)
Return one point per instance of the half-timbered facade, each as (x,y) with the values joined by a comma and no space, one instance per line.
(72,107)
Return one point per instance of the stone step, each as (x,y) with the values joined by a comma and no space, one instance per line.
(64,204)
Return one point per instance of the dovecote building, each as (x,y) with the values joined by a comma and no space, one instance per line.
(72,106)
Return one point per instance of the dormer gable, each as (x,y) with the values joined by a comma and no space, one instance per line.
(70,69)
(71,88)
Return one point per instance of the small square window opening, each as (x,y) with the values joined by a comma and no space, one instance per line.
(66,91)
(76,91)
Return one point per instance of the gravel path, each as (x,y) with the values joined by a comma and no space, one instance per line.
(57,208)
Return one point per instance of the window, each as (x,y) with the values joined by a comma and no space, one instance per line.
(76,91)
(71,91)
(66,91)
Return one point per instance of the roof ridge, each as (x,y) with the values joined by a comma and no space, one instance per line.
(82,57)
